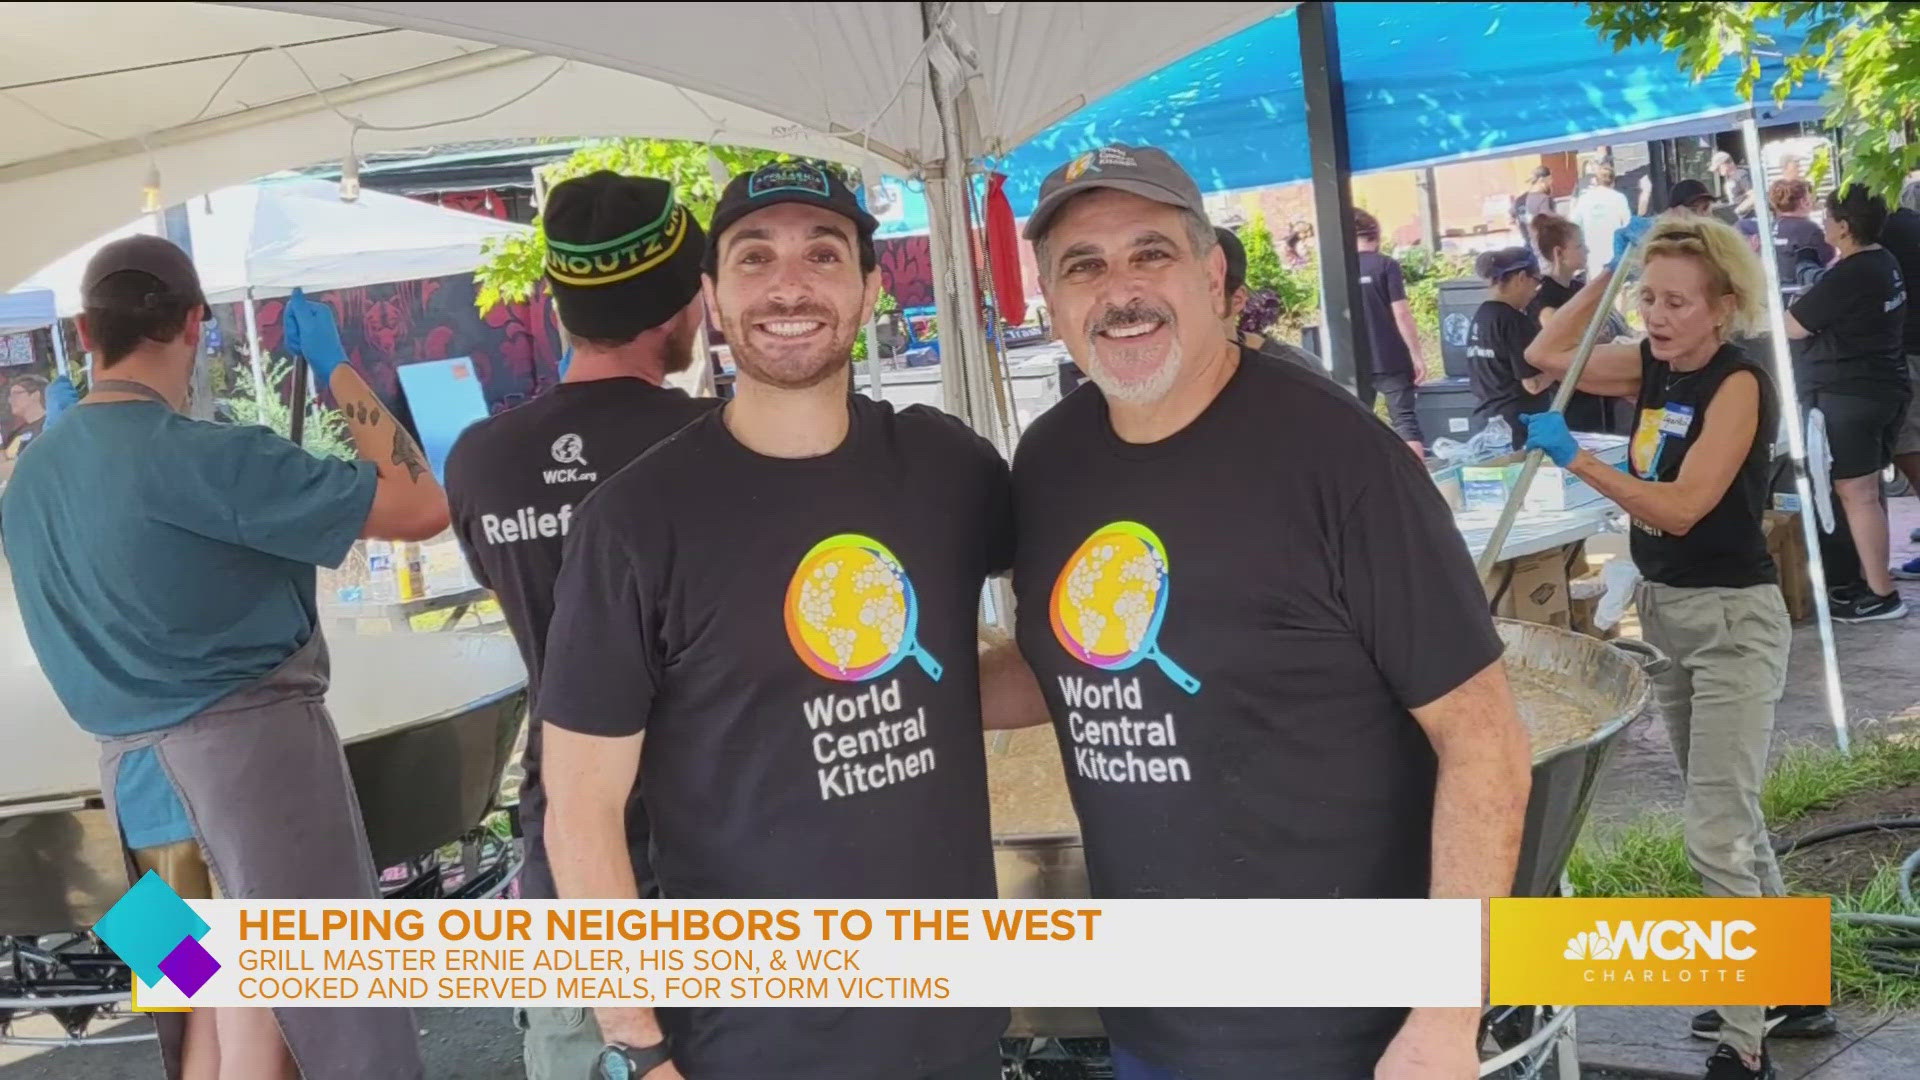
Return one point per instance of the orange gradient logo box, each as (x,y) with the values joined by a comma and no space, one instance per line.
(1660,952)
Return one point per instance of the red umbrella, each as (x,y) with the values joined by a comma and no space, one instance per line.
(1003,247)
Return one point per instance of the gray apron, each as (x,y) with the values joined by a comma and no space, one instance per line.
(267,791)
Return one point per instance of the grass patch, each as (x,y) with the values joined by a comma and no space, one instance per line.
(1809,778)
(1855,981)
(1648,856)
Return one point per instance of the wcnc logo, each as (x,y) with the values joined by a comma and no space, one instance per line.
(1667,939)
(158,935)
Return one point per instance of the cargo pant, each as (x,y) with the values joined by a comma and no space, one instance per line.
(1729,652)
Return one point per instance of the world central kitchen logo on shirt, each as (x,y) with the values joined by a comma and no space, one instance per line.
(852,616)
(1660,952)
(158,935)
(1107,608)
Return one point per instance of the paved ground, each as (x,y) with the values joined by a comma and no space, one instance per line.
(1654,1043)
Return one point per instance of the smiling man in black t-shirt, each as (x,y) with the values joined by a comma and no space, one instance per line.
(623,265)
(1234,553)
(781,602)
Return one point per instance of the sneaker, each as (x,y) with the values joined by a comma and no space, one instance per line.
(1864,606)
(1914,536)
(1725,1064)
(1909,570)
(1841,592)
(1783,1022)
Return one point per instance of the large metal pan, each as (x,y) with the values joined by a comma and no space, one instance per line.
(1613,676)
(429,722)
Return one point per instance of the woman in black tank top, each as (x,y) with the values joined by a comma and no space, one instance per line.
(1696,488)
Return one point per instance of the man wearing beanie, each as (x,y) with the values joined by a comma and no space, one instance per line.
(782,601)
(164,569)
(623,263)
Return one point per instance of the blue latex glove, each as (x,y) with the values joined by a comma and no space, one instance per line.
(1626,236)
(566,361)
(61,396)
(311,333)
(1547,432)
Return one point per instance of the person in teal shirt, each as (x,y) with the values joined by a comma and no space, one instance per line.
(164,568)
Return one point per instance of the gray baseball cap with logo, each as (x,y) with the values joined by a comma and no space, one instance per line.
(1146,171)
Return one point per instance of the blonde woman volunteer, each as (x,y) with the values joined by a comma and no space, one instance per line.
(1696,486)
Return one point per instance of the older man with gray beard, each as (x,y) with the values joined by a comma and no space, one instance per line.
(1337,722)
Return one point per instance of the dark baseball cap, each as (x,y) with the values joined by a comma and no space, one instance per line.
(623,255)
(788,182)
(1687,191)
(1236,258)
(1501,263)
(1145,171)
(154,256)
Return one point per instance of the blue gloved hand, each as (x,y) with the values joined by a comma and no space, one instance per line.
(1626,236)
(61,396)
(311,333)
(566,361)
(1547,432)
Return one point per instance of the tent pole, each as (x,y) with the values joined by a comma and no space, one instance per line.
(253,347)
(869,179)
(1796,438)
(1344,336)
(59,335)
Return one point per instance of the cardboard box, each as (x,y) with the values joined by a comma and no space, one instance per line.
(1533,589)
(1788,546)
(1447,479)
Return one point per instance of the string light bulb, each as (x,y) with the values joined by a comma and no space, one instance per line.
(150,191)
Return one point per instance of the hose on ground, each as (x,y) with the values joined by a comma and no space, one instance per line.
(1888,955)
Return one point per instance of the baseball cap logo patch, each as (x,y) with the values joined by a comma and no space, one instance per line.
(792,176)
(1078,167)
(622,257)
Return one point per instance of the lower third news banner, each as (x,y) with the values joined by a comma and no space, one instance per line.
(1112,953)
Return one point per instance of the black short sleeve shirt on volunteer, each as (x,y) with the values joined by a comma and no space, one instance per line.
(1381,284)
(797,640)
(1856,314)
(1585,412)
(514,482)
(1798,241)
(1497,362)
(1231,626)
(1726,548)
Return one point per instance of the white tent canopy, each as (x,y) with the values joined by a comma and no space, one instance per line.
(97,95)
(276,235)
(29,309)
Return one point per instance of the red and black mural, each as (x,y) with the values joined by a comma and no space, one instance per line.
(906,269)
(515,347)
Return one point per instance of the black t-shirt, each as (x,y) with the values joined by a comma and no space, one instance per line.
(1856,314)
(1230,626)
(514,482)
(797,640)
(1901,236)
(1381,285)
(1497,361)
(22,435)
(1798,242)
(1585,412)
(1726,548)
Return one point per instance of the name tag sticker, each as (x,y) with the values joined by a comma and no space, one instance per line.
(1677,420)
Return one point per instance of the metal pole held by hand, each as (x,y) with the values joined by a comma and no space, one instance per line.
(1498,538)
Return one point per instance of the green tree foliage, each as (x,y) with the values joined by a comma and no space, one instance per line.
(514,264)
(1870,53)
(325,434)
(1263,262)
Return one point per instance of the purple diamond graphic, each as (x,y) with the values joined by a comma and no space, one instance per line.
(189,966)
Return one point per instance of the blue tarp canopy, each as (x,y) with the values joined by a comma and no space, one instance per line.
(1426,83)
(28,309)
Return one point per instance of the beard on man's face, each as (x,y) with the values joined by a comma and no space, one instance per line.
(806,362)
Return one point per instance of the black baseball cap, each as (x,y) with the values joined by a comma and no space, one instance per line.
(623,255)
(1236,258)
(788,182)
(1687,191)
(1146,171)
(1502,263)
(154,256)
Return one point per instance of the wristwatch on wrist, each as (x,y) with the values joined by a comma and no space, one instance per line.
(617,1062)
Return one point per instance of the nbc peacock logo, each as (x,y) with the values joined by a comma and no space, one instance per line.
(1588,945)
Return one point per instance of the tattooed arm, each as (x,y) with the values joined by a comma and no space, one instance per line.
(408,504)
